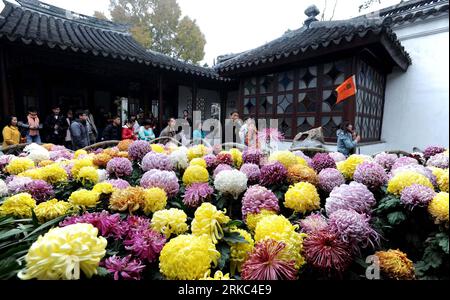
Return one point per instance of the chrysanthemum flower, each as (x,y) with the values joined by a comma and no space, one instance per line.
(18,165)
(386,160)
(63,253)
(35,174)
(40,190)
(252,220)
(119,183)
(124,145)
(104,188)
(322,161)
(130,199)
(20,206)
(45,163)
(337,156)
(348,167)
(439,161)
(354,196)
(125,268)
(154,199)
(404,161)
(170,222)
(220,168)
(179,159)
(101,160)
(395,265)
(54,174)
(158,148)
(84,198)
(305,157)
(312,223)
(231,182)
(50,210)
(145,243)
(119,167)
(195,174)
(252,172)
(371,175)
(417,195)
(39,155)
(432,151)
(257,199)
(153,160)
(3,188)
(217,276)
(188,257)
(198,162)
(438,208)
(166,180)
(210,160)
(208,220)
(138,149)
(236,156)
(17,184)
(267,261)
(327,252)
(196,194)
(252,156)
(273,174)
(87,175)
(79,164)
(406,178)
(79,153)
(286,158)
(427,172)
(330,179)
(299,173)
(302,198)
(240,251)
(442,178)
(197,152)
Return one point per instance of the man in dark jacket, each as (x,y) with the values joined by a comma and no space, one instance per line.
(113,132)
(55,127)
(79,131)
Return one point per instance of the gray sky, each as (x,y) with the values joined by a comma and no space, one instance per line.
(237,25)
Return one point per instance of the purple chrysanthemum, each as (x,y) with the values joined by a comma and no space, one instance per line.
(153,160)
(119,183)
(126,268)
(439,161)
(312,223)
(258,198)
(17,184)
(40,190)
(196,194)
(165,180)
(211,162)
(224,159)
(252,171)
(417,195)
(220,168)
(138,150)
(404,161)
(337,156)
(4,160)
(58,154)
(322,161)
(120,167)
(252,156)
(145,243)
(329,179)
(353,228)
(57,148)
(386,160)
(418,169)
(432,151)
(308,159)
(109,226)
(371,174)
(354,196)
(274,173)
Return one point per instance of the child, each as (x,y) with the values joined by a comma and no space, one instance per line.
(128,131)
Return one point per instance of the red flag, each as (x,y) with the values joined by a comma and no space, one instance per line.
(346,89)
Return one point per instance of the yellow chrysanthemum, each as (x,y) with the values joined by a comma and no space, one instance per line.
(217,276)
(35,174)
(348,166)
(52,209)
(240,251)
(405,179)
(279,228)
(170,222)
(45,163)
(84,198)
(198,162)
(301,161)
(302,198)
(208,220)
(79,153)
(20,205)
(101,159)
(155,199)
(53,174)
(236,155)
(252,219)
(62,253)
(300,173)
(197,152)
(441,178)
(396,265)
(122,154)
(195,174)
(79,164)
(188,257)
(18,165)
(439,207)
(87,175)
(124,145)
(130,199)
(104,188)
(157,148)
(286,158)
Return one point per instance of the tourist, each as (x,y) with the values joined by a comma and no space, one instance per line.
(11,133)
(136,125)
(236,123)
(68,121)
(113,132)
(251,135)
(187,118)
(128,131)
(55,127)
(92,129)
(198,134)
(146,131)
(347,139)
(32,127)
(169,133)
(79,131)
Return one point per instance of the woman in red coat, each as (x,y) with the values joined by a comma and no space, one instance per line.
(128,132)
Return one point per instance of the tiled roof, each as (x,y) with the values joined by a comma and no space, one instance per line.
(34,22)
(410,11)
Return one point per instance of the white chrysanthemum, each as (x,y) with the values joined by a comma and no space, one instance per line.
(33,147)
(231,182)
(102,175)
(179,158)
(3,188)
(38,155)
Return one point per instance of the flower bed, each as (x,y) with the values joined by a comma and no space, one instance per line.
(142,211)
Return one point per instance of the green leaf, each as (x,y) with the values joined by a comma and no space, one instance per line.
(235,223)
(7,234)
(9,267)
(49,224)
(224,255)
(234,238)
(388,203)
(432,257)
(396,218)
(102,272)
(443,242)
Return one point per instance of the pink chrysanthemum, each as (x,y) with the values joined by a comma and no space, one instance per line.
(312,223)
(252,156)
(370,174)
(386,160)
(211,162)
(220,168)
(40,190)
(258,198)
(120,167)
(330,179)
(126,268)
(165,180)
(145,243)
(58,154)
(4,160)
(337,156)
(322,161)
(119,183)
(354,196)
(417,195)
(439,161)
(17,184)
(196,194)
(274,173)
(252,171)
(153,160)
(432,151)
(266,262)
(404,161)
(138,150)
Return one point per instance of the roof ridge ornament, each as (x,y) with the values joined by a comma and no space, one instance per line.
(311,12)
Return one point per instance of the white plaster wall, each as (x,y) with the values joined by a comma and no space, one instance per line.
(416,112)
